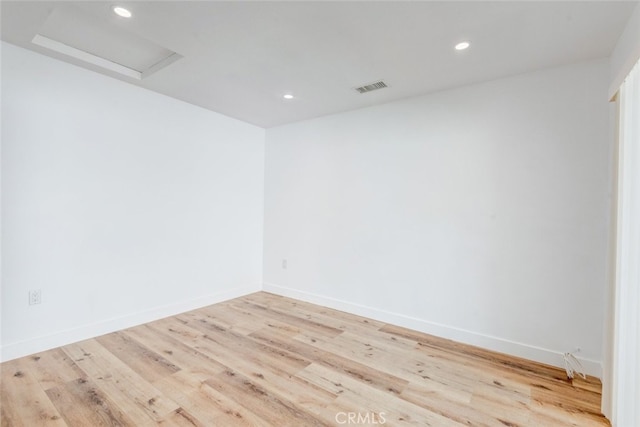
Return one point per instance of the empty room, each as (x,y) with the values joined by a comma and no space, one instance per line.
(320,213)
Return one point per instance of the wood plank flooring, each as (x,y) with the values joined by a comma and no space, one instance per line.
(265,360)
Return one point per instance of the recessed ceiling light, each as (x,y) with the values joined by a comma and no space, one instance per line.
(288,96)
(462,45)
(121,11)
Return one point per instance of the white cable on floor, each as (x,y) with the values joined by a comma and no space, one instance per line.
(573,365)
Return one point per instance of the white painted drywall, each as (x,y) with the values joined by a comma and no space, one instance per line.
(479,214)
(120,204)
(626,52)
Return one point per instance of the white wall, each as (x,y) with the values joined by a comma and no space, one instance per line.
(479,214)
(120,204)
(626,52)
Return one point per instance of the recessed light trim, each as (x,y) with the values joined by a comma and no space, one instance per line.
(288,96)
(121,11)
(462,45)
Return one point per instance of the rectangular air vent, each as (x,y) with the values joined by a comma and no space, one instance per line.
(372,86)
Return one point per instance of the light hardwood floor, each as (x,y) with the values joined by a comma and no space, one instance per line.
(265,360)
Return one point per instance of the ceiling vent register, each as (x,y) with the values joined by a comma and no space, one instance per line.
(372,86)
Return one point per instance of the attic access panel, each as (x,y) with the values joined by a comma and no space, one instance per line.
(72,32)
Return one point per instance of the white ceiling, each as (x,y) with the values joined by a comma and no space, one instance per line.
(240,58)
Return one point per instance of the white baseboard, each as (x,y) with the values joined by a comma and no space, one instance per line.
(42,343)
(538,354)
(526,351)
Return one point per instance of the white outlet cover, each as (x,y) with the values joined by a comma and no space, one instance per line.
(35,297)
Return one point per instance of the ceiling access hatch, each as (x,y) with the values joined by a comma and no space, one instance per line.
(75,33)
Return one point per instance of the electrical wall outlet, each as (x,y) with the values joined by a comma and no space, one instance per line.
(35,296)
(284,264)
